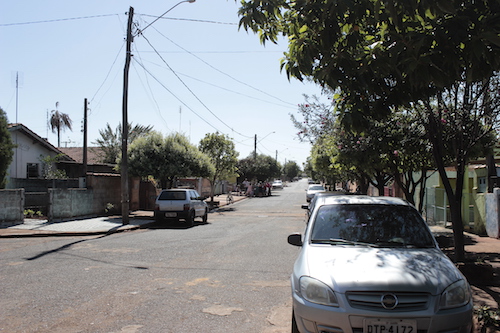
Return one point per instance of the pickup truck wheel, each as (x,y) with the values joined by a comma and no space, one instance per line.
(190,219)
(158,218)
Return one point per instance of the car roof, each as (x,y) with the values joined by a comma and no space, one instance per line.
(177,190)
(360,200)
(331,193)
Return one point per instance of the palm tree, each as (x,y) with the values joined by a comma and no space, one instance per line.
(59,121)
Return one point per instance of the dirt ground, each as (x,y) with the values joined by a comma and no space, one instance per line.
(482,270)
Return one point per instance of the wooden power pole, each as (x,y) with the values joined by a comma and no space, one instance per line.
(85,109)
(124,164)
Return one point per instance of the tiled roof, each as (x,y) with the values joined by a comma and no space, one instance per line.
(93,154)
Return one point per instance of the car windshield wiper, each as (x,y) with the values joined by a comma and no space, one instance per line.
(395,243)
(340,241)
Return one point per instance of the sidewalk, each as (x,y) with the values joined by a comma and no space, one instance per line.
(89,226)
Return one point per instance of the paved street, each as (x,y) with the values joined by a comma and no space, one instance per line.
(229,275)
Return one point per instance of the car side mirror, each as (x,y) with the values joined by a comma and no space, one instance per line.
(295,239)
(305,206)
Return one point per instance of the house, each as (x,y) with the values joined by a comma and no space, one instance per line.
(30,149)
(74,168)
(477,181)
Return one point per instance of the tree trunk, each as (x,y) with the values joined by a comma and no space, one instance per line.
(212,188)
(434,132)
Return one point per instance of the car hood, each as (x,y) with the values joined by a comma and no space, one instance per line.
(350,268)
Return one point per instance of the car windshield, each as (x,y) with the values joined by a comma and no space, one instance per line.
(377,225)
(316,188)
(172,195)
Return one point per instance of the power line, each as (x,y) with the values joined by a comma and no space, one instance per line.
(189,20)
(191,91)
(224,73)
(153,96)
(226,89)
(181,101)
(57,20)
(109,72)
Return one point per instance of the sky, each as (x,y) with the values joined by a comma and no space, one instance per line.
(193,71)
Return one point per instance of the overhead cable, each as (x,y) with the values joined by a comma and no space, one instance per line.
(191,91)
(57,20)
(224,73)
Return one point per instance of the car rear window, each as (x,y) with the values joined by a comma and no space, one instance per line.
(316,188)
(389,225)
(172,195)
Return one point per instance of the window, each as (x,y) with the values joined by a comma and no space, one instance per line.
(481,184)
(32,170)
(371,224)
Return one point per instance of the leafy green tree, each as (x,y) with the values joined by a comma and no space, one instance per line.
(49,169)
(58,122)
(110,142)
(379,56)
(220,149)
(6,148)
(321,164)
(291,170)
(167,159)
(258,168)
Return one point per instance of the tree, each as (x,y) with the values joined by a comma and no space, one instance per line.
(291,170)
(258,168)
(461,122)
(110,142)
(6,148)
(220,150)
(58,122)
(50,171)
(381,55)
(167,159)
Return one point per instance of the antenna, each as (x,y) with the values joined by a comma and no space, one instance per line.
(180,118)
(18,81)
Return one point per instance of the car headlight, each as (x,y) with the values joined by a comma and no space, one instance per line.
(317,292)
(457,294)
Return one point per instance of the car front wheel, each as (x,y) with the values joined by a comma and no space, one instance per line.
(205,216)
(295,328)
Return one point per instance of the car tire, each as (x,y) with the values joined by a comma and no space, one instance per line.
(205,216)
(190,219)
(295,328)
(158,218)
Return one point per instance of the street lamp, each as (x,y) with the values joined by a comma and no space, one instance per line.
(159,17)
(124,162)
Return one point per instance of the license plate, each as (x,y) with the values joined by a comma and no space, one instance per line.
(170,214)
(390,326)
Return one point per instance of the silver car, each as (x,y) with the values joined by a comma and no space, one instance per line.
(371,265)
(312,190)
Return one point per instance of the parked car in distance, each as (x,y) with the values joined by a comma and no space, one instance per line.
(312,190)
(277,184)
(371,265)
(315,198)
(180,204)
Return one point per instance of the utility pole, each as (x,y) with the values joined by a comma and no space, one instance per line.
(124,164)
(85,139)
(255,147)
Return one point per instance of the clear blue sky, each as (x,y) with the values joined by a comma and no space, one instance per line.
(225,80)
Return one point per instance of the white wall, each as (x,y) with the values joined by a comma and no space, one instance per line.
(26,152)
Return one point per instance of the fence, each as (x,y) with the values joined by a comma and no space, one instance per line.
(437,209)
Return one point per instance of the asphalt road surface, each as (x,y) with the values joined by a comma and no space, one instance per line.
(229,275)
